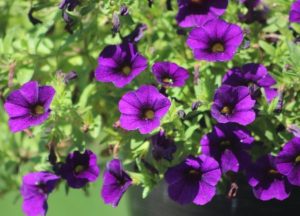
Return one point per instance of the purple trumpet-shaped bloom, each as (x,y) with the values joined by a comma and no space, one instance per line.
(255,76)
(196,12)
(142,109)
(266,181)
(170,74)
(35,189)
(120,64)
(162,146)
(28,106)
(295,12)
(193,180)
(227,144)
(233,104)
(68,4)
(288,161)
(250,3)
(115,183)
(80,168)
(216,40)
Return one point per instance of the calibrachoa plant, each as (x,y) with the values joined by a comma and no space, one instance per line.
(192,94)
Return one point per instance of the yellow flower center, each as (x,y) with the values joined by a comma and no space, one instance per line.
(218,47)
(149,114)
(225,143)
(79,168)
(38,110)
(126,70)
(226,110)
(297,160)
(273,172)
(197,1)
(167,80)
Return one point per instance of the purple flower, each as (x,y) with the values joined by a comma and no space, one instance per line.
(28,106)
(80,168)
(233,104)
(216,40)
(267,183)
(295,12)
(196,12)
(137,34)
(227,144)
(254,15)
(68,4)
(115,183)
(162,147)
(193,180)
(120,64)
(255,76)
(288,161)
(142,109)
(170,74)
(250,3)
(35,189)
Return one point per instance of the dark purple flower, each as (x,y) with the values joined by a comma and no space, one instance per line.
(170,74)
(72,75)
(255,76)
(288,161)
(142,109)
(120,64)
(196,12)
(80,168)
(267,183)
(295,12)
(137,34)
(124,10)
(162,147)
(294,129)
(216,40)
(250,3)
(28,106)
(233,104)
(193,180)
(35,189)
(115,183)
(68,4)
(254,15)
(227,144)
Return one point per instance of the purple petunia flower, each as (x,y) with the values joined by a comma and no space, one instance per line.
(68,4)
(250,3)
(227,144)
(267,183)
(170,74)
(288,161)
(295,12)
(142,109)
(115,183)
(216,40)
(80,168)
(233,104)
(35,189)
(28,106)
(162,147)
(197,12)
(193,180)
(120,64)
(255,76)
